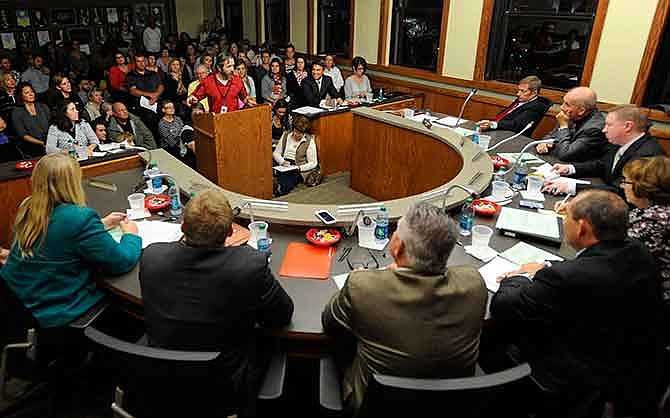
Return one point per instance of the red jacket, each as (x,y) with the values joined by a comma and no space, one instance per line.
(219,94)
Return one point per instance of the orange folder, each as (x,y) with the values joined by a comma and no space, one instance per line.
(307,261)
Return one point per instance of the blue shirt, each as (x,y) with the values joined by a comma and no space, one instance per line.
(56,284)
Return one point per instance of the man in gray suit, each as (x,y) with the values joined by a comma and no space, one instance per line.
(415,318)
(579,128)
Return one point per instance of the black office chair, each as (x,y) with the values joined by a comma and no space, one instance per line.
(492,395)
(35,361)
(155,382)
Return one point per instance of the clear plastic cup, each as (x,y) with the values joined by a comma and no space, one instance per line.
(366,233)
(136,201)
(535,184)
(484,141)
(481,235)
(499,190)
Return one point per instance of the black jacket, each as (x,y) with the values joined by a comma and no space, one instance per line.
(517,119)
(312,95)
(294,90)
(647,146)
(589,323)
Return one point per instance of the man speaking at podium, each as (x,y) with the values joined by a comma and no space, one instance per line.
(224,90)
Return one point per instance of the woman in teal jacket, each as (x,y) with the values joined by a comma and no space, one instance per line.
(59,243)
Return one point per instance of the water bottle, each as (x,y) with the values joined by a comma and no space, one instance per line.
(175,201)
(382,227)
(182,149)
(520,175)
(71,150)
(156,182)
(500,175)
(263,242)
(467,217)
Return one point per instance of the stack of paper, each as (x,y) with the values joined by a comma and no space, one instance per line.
(157,231)
(523,253)
(547,172)
(420,117)
(283,169)
(308,110)
(494,269)
(450,121)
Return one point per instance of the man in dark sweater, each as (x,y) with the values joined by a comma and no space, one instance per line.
(200,294)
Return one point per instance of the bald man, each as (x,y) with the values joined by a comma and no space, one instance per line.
(579,129)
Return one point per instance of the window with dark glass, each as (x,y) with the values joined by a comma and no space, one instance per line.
(333,27)
(657,95)
(546,38)
(415,33)
(277,23)
(233,14)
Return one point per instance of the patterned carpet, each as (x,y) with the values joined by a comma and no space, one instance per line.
(334,190)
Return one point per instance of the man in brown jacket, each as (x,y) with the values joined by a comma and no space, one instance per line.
(416,318)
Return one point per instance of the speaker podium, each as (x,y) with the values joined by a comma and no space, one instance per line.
(234,150)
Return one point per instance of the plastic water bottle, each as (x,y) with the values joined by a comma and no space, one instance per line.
(382,227)
(520,175)
(475,136)
(263,242)
(71,150)
(500,175)
(467,217)
(175,201)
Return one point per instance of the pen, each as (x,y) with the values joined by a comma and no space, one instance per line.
(560,205)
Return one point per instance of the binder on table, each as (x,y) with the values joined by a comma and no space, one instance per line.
(307,261)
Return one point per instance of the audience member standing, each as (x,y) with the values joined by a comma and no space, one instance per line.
(62,92)
(37,75)
(151,37)
(223,89)
(145,87)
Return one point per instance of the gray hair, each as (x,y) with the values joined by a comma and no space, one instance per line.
(429,237)
(533,81)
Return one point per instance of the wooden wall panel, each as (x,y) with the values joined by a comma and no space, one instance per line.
(12,193)
(333,142)
(390,162)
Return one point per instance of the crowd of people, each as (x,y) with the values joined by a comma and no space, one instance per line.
(144,89)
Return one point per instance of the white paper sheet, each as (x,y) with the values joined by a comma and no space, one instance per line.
(463,131)
(157,231)
(522,253)
(493,269)
(528,222)
(547,172)
(373,244)
(109,147)
(340,279)
(283,169)
(450,120)
(527,157)
(422,116)
(532,196)
(144,102)
(481,253)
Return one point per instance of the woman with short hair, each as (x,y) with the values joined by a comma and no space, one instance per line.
(68,131)
(296,148)
(357,84)
(646,184)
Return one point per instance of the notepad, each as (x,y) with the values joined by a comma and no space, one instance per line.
(144,102)
(494,269)
(157,231)
(307,261)
(283,169)
(522,253)
(308,110)
(340,280)
(529,223)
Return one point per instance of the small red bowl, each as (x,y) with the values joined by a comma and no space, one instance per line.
(485,207)
(157,202)
(25,165)
(499,161)
(318,236)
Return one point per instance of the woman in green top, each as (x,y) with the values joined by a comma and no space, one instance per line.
(59,242)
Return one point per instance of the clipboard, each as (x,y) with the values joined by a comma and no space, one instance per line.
(307,261)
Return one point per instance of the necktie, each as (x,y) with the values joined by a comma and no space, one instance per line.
(617,157)
(506,111)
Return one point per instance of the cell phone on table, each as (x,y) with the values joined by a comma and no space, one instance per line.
(532,204)
(325,216)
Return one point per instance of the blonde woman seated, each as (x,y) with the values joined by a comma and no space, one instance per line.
(59,243)
(68,131)
(296,148)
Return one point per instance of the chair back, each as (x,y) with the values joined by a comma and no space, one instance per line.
(165,383)
(491,395)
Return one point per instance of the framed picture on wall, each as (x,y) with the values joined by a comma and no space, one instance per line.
(23,18)
(98,16)
(63,17)
(141,14)
(40,18)
(83,17)
(25,39)
(158,13)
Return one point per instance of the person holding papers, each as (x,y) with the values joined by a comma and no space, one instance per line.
(579,128)
(416,318)
(297,158)
(224,90)
(145,88)
(528,107)
(626,129)
(318,89)
(589,327)
(59,243)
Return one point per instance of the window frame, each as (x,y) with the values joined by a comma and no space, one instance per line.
(264,23)
(651,51)
(315,22)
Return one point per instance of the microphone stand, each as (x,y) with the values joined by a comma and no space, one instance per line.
(523,150)
(492,147)
(467,99)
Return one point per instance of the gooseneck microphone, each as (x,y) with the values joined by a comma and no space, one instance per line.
(516,135)
(465,103)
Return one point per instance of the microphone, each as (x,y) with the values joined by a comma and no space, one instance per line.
(523,150)
(491,148)
(467,99)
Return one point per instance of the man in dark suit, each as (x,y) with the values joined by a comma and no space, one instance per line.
(579,128)
(626,129)
(317,89)
(416,318)
(528,107)
(202,295)
(590,326)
